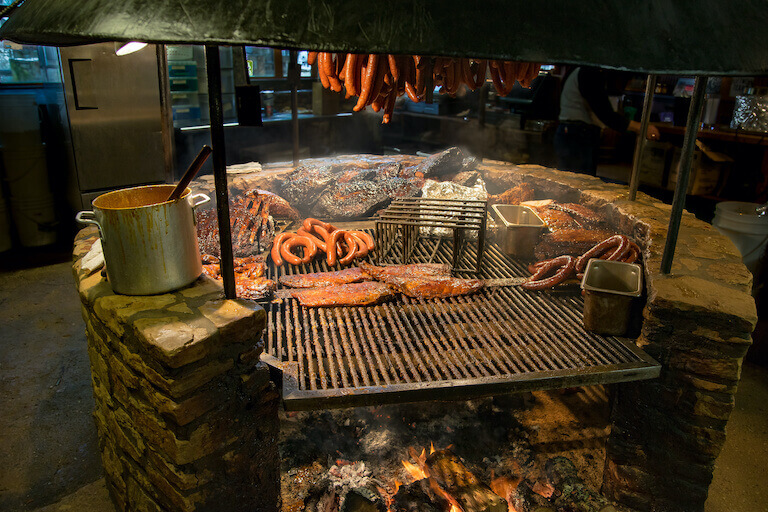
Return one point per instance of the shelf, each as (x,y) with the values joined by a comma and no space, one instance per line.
(727,135)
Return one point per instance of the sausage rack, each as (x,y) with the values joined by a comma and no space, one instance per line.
(408,223)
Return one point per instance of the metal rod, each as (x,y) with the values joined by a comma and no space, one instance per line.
(481,104)
(293,77)
(634,181)
(683,172)
(213,69)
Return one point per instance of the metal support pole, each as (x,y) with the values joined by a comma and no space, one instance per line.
(293,78)
(634,181)
(213,69)
(683,172)
(481,104)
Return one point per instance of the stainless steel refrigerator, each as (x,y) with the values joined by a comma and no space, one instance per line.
(119,117)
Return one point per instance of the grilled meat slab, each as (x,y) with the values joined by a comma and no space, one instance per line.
(573,242)
(352,200)
(434,287)
(322,279)
(250,282)
(405,271)
(254,288)
(423,280)
(584,215)
(251,217)
(355,294)
(452,160)
(515,195)
(354,186)
(556,219)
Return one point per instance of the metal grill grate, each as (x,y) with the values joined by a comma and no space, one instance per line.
(406,222)
(496,341)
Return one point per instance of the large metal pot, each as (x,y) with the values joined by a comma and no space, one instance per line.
(150,244)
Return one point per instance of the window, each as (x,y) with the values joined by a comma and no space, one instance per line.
(260,61)
(27,64)
(267,63)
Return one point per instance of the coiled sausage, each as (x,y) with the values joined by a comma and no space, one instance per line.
(310,249)
(276,243)
(563,264)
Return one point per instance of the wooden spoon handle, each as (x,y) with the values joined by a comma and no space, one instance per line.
(200,159)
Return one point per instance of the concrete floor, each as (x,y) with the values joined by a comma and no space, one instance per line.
(48,444)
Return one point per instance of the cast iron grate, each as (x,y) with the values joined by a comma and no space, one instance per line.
(497,341)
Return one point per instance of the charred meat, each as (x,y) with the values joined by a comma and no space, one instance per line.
(585,216)
(254,288)
(515,195)
(264,203)
(250,282)
(323,279)
(405,271)
(353,200)
(252,220)
(355,186)
(556,219)
(573,242)
(355,294)
(434,287)
(423,280)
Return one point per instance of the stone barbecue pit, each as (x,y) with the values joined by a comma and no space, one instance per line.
(188,414)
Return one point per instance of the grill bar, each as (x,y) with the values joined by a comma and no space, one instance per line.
(495,341)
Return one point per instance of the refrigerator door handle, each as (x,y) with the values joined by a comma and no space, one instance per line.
(83,90)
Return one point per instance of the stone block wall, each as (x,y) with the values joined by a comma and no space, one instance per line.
(185,411)
(666,433)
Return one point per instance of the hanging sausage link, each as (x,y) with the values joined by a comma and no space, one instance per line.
(378,80)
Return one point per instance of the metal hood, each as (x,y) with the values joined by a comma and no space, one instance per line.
(704,37)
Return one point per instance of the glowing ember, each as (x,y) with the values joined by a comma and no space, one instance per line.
(505,487)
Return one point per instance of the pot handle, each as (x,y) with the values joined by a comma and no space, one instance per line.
(203,198)
(88,217)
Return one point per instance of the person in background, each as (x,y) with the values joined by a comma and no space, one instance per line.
(584,110)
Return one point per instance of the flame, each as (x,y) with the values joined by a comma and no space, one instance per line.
(398,485)
(415,471)
(419,471)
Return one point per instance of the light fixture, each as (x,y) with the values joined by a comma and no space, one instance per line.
(131,47)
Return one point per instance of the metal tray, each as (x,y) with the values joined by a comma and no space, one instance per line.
(520,229)
(609,288)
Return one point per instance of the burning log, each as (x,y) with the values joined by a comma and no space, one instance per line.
(450,478)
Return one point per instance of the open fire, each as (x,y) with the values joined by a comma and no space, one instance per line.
(490,454)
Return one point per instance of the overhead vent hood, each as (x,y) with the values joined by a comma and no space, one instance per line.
(697,37)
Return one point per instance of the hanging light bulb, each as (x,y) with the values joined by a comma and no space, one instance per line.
(131,47)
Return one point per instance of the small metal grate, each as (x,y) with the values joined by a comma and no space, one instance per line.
(456,223)
(496,341)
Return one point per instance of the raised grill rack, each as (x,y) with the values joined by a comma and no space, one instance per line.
(497,341)
(457,223)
